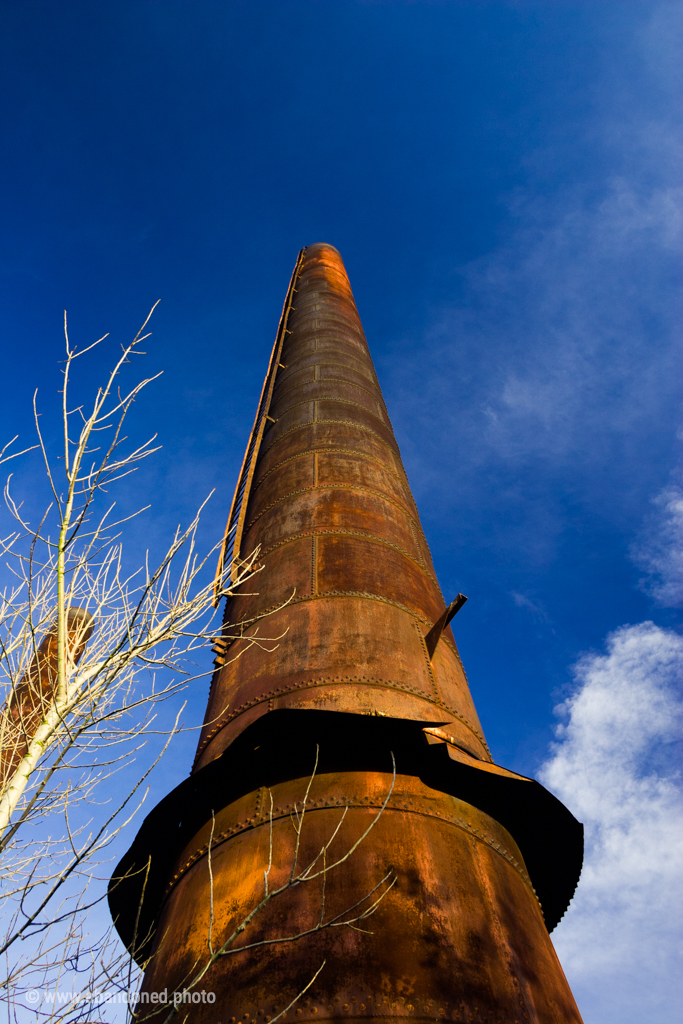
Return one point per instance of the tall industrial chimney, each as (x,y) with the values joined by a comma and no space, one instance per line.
(367,676)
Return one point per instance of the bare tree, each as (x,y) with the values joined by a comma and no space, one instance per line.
(88,654)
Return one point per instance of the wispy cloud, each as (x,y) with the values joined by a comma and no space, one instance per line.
(533,607)
(613,764)
(582,320)
(575,320)
(560,358)
(660,550)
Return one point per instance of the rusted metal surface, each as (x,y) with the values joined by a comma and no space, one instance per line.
(459,938)
(284,744)
(33,694)
(331,507)
(484,860)
(232,539)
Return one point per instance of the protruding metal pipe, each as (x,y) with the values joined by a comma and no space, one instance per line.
(434,634)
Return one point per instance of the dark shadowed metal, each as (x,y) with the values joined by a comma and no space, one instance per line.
(484,861)
(232,539)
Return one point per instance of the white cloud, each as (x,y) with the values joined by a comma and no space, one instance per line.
(661,552)
(613,765)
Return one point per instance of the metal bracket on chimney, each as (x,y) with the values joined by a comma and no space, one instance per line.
(232,539)
(434,635)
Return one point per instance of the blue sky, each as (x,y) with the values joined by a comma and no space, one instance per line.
(503,182)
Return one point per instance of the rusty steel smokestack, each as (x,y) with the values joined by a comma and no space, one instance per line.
(485,861)
(33,696)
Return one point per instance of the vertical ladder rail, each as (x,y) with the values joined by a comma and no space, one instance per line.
(232,538)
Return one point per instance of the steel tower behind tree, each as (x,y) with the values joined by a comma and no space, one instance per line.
(484,861)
